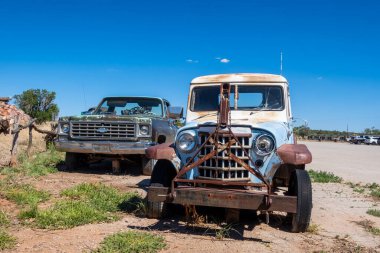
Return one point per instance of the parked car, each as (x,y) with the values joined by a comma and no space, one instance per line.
(236,151)
(371,140)
(118,128)
(358,139)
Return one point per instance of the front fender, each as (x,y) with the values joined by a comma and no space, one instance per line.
(295,154)
(164,151)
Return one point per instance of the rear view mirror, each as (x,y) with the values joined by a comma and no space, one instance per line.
(90,111)
(175,112)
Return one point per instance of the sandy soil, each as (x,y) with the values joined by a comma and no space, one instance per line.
(336,208)
(356,163)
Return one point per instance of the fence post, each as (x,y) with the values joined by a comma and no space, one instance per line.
(13,160)
(30,143)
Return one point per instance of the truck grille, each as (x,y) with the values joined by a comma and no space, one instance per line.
(221,167)
(102,130)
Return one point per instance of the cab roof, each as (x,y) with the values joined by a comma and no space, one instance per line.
(240,78)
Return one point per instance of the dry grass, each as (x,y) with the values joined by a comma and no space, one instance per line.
(374,212)
(313,229)
(6,142)
(368,225)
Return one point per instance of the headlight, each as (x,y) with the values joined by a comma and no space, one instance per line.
(65,128)
(264,144)
(186,141)
(144,130)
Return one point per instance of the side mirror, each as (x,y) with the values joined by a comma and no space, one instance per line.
(175,112)
(90,111)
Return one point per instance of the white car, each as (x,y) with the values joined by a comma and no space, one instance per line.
(371,140)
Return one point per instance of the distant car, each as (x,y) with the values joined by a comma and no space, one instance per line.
(371,140)
(358,139)
(378,141)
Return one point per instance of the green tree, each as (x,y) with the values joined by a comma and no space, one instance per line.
(302,131)
(39,104)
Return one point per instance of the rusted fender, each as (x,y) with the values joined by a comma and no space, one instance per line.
(296,154)
(160,151)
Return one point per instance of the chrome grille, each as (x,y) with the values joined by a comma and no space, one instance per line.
(102,130)
(221,167)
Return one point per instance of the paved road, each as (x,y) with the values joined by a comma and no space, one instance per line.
(356,163)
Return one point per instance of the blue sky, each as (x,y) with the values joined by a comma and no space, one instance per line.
(85,50)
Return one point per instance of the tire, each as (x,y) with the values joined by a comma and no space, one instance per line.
(300,186)
(71,161)
(147,166)
(162,176)
(74,161)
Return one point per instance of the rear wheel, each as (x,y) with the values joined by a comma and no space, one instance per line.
(300,186)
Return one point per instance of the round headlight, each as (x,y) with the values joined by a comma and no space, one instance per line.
(144,130)
(264,144)
(65,128)
(186,141)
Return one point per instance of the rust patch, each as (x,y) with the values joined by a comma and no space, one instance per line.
(296,154)
(161,151)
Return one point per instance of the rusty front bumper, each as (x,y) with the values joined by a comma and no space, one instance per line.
(102,147)
(222,198)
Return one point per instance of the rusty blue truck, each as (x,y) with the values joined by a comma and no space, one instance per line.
(237,150)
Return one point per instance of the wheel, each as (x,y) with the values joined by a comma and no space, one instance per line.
(147,166)
(71,161)
(162,176)
(155,210)
(300,186)
(74,161)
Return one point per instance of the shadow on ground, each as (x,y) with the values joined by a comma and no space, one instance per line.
(129,168)
(212,223)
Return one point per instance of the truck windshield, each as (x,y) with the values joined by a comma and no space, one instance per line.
(266,98)
(130,106)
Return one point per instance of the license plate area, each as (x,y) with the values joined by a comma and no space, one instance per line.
(101,148)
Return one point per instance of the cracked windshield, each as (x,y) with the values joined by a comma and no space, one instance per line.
(130,106)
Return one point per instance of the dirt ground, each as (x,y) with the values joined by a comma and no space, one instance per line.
(356,163)
(336,209)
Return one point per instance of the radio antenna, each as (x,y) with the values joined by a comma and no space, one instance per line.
(84,96)
(281,62)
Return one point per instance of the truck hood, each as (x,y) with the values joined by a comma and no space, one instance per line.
(126,118)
